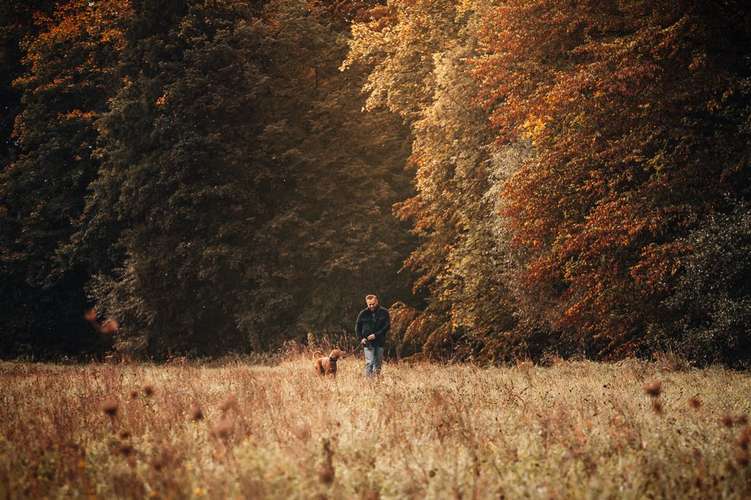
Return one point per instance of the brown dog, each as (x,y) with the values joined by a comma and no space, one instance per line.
(327,364)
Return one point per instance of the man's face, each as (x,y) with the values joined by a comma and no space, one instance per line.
(372,304)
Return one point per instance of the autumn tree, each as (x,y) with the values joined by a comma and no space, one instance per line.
(636,113)
(418,55)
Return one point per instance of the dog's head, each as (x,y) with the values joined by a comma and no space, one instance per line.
(336,354)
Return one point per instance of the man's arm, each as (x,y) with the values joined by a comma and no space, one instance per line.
(358,326)
(381,332)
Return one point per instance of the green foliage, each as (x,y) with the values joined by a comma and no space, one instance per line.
(42,187)
(203,172)
(251,196)
(712,300)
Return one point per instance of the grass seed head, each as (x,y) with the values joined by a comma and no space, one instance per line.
(126,450)
(653,389)
(148,390)
(741,457)
(744,438)
(326,474)
(196,413)
(109,407)
(727,421)
(694,403)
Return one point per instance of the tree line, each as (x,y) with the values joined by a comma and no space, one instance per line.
(582,173)
(533,178)
(200,171)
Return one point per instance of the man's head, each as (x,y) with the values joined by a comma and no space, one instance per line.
(372,302)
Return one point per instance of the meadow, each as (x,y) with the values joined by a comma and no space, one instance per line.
(234,430)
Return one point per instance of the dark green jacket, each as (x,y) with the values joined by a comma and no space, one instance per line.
(376,322)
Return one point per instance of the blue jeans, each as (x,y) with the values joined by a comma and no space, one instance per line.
(373,360)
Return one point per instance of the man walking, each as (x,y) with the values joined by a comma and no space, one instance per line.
(372,325)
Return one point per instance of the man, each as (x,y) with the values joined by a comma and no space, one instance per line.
(372,325)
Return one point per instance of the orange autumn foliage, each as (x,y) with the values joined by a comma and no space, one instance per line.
(635,112)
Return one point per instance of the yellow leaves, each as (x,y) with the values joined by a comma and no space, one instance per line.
(699,61)
(161,101)
(114,36)
(533,128)
(60,82)
(77,114)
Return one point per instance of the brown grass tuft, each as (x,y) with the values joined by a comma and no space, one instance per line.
(224,428)
(229,403)
(196,413)
(694,403)
(657,407)
(727,421)
(148,390)
(301,431)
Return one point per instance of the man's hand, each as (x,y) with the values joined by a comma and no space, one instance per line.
(371,336)
(364,341)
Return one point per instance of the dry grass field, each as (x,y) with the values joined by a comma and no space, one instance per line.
(572,430)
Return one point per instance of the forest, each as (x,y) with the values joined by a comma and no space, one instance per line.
(515,179)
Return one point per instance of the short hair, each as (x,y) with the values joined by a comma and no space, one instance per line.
(371,297)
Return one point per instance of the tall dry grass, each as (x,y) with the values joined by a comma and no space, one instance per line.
(573,430)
